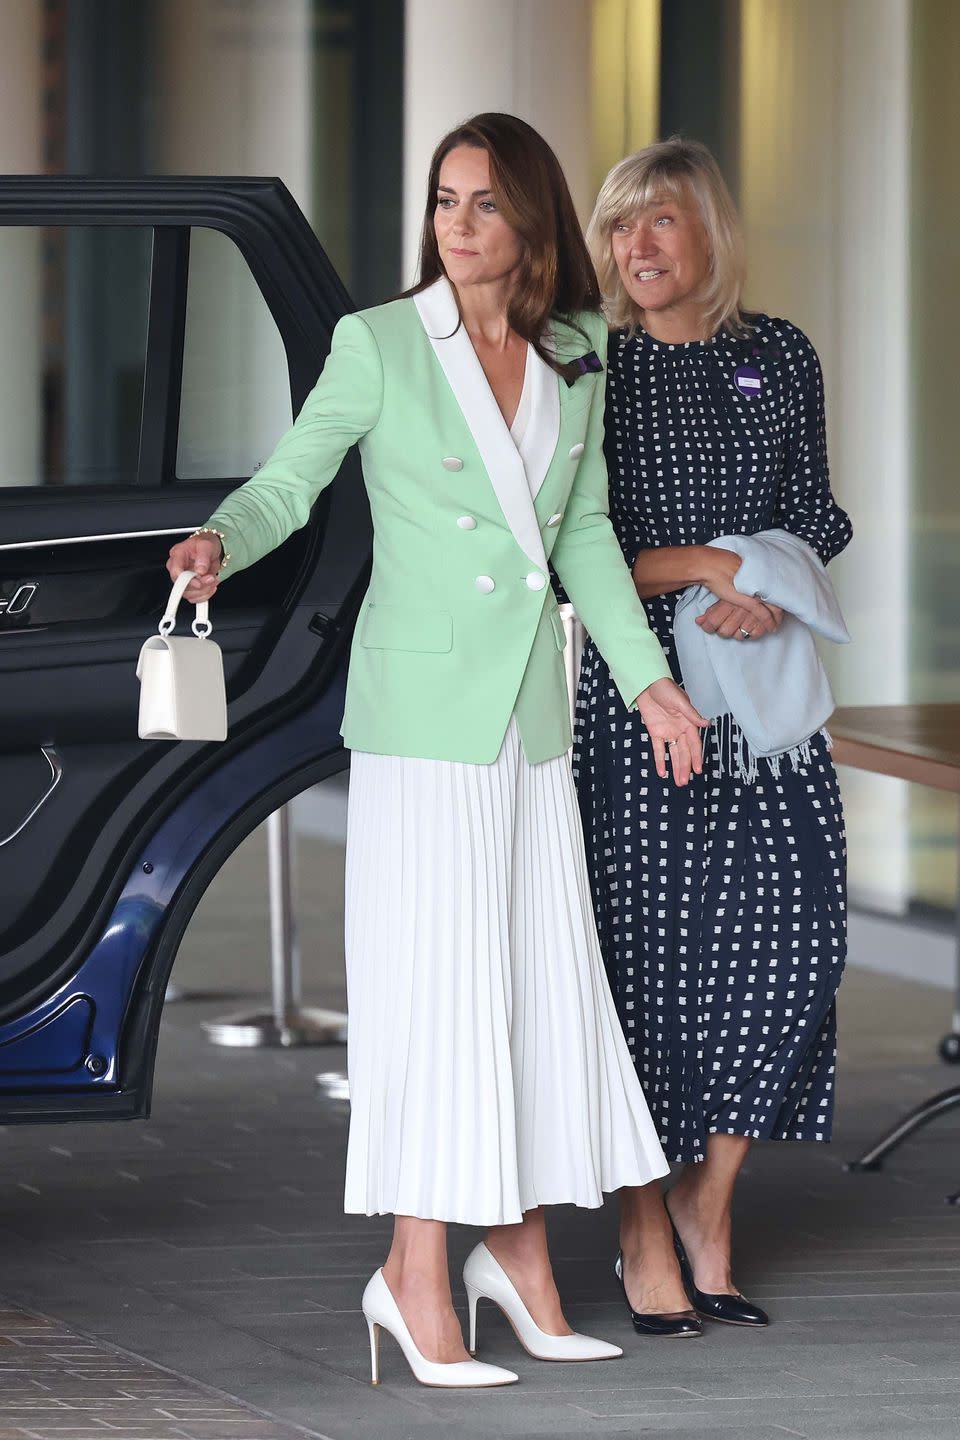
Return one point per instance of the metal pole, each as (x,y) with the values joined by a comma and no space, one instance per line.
(284,950)
(573,654)
(289,1022)
(956,938)
(950,1044)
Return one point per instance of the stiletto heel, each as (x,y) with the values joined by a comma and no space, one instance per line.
(473,1295)
(374,1329)
(383,1313)
(485,1277)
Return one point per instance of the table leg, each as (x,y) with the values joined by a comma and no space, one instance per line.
(874,1156)
(950,1044)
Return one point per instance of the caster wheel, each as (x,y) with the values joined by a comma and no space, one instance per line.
(950,1049)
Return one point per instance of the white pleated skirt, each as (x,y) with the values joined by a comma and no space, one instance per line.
(488,1070)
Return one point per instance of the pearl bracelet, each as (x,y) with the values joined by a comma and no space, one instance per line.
(206,530)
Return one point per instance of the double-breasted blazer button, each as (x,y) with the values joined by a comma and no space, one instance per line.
(536,580)
(484,584)
(467,522)
(555,519)
(450,462)
(575,452)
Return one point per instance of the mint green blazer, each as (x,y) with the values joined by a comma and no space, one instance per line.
(459,628)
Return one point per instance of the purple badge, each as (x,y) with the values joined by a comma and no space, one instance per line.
(748,381)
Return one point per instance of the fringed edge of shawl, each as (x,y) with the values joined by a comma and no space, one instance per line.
(734,756)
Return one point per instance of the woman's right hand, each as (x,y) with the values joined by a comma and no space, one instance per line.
(202,554)
(718,568)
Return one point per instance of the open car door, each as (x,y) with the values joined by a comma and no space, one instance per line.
(160,336)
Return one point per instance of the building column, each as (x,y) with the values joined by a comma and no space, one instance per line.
(825,125)
(530,58)
(21,102)
(232,91)
(625,63)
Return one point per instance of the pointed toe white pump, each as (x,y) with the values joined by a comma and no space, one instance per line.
(382,1313)
(486,1279)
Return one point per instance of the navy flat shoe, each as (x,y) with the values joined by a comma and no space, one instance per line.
(681,1324)
(729,1309)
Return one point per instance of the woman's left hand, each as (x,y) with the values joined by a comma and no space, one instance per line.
(673,725)
(733,622)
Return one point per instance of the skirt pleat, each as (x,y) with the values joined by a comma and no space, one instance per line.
(488,1071)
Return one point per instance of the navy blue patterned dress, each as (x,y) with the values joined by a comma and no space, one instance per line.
(721,907)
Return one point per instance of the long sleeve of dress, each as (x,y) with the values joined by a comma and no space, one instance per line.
(805,504)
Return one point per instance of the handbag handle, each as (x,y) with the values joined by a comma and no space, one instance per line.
(201,626)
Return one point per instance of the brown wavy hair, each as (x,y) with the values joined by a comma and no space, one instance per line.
(556,278)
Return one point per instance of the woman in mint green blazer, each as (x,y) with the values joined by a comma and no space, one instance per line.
(488,1071)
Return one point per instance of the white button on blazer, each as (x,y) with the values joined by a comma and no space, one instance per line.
(450,462)
(484,584)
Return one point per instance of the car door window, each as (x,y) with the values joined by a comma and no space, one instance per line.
(77,343)
(235,398)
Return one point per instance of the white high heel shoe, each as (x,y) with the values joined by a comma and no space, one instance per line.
(485,1278)
(383,1313)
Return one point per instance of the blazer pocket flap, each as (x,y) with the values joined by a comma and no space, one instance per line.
(559,629)
(394,627)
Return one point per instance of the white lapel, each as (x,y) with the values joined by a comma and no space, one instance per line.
(543,430)
(437,308)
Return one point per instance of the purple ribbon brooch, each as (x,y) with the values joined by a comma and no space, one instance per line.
(589,364)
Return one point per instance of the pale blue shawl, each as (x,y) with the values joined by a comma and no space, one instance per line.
(775,686)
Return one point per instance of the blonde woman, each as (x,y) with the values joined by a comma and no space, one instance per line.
(720,906)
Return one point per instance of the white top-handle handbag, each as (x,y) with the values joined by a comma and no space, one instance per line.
(182,691)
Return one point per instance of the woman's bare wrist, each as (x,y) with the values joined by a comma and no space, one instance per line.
(713,563)
(663,570)
(695,563)
(702,564)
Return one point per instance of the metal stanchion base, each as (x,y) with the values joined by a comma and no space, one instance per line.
(304,1026)
(873,1158)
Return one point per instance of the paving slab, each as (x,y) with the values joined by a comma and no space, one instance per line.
(199,1262)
